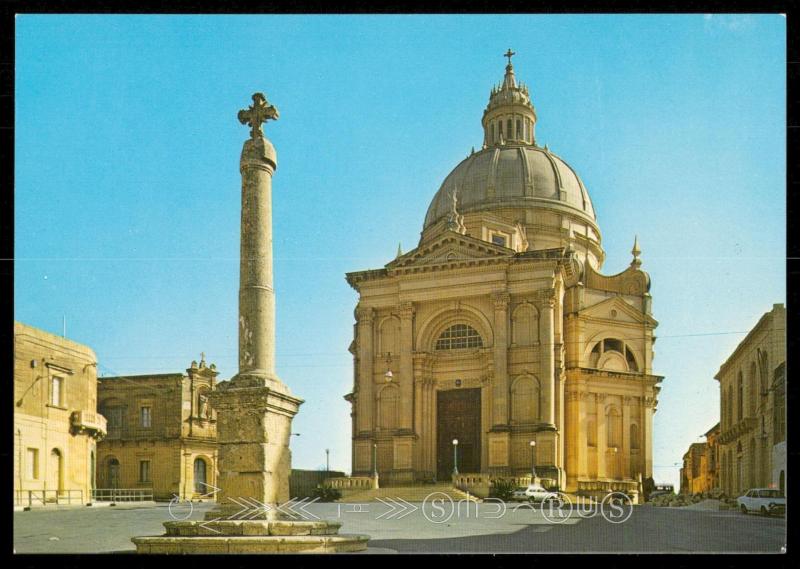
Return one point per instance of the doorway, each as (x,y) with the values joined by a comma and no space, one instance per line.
(55,475)
(458,416)
(199,476)
(113,473)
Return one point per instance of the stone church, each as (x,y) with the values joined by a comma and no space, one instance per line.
(499,330)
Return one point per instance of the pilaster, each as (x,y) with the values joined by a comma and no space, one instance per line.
(366,396)
(500,391)
(406,310)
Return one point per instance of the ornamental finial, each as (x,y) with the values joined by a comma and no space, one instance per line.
(509,54)
(636,251)
(260,111)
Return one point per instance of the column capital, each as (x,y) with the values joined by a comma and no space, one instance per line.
(547,298)
(365,314)
(406,310)
(501,300)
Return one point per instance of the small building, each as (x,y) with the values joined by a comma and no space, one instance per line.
(694,474)
(162,434)
(56,424)
(752,385)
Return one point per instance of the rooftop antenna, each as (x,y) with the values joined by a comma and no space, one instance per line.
(64,326)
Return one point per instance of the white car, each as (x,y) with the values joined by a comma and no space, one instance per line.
(537,493)
(766,501)
(519,494)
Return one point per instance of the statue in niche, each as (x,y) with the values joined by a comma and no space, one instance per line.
(203,406)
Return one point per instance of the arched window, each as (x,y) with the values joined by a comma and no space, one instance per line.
(614,355)
(591,431)
(388,401)
(525,325)
(200,476)
(730,407)
(763,369)
(509,128)
(525,404)
(459,336)
(739,397)
(390,336)
(634,436)
(519,129)
(613,428)
(753,389)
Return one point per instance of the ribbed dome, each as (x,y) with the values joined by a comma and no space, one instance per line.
(511,176)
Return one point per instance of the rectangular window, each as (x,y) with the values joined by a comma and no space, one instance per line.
(144,471)
(499,240)
(33,463)
(145,417)
(56,390)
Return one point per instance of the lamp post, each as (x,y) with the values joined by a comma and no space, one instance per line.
(533,462)
(455,457)
(374,460)
(327,460)
(615,473)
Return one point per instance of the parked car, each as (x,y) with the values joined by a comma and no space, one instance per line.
(538,493)
(662,490)
(519,494)
(766,501)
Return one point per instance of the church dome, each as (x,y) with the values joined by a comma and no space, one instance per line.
(511,176)
(514,183)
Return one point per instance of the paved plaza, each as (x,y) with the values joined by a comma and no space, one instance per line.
(431,528)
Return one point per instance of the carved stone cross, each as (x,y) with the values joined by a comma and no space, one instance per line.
(256,114)
(509,54)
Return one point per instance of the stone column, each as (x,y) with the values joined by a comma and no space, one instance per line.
(256,295)
(602,433)
(647,436)
(255,409)
(500,391)
(406,365)
(547,361)
(625,451)
(583,442)
(366,397)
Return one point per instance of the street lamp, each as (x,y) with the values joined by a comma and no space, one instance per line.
(327,460)
(455,457)
(616,461)
(374,460)
(533,462)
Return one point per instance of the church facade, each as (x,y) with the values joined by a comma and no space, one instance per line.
(497,344)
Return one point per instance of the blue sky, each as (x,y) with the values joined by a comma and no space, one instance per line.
(127,182)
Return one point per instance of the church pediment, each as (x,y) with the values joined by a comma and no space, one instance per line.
(616,309)
(450,249)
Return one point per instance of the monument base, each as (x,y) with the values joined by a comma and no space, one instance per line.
(251,536)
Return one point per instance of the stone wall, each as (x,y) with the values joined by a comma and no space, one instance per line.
(303,482)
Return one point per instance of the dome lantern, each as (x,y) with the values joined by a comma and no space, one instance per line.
(509,117)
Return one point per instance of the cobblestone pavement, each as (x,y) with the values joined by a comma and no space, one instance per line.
(442,528)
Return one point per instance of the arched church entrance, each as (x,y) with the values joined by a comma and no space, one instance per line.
(458,418)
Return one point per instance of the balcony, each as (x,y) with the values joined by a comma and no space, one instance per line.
(88,423)
(737,430)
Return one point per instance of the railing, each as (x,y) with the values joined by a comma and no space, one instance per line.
(89,421)
(30,498)
(350,483)
(608,486)
(481,484)
(122,494)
